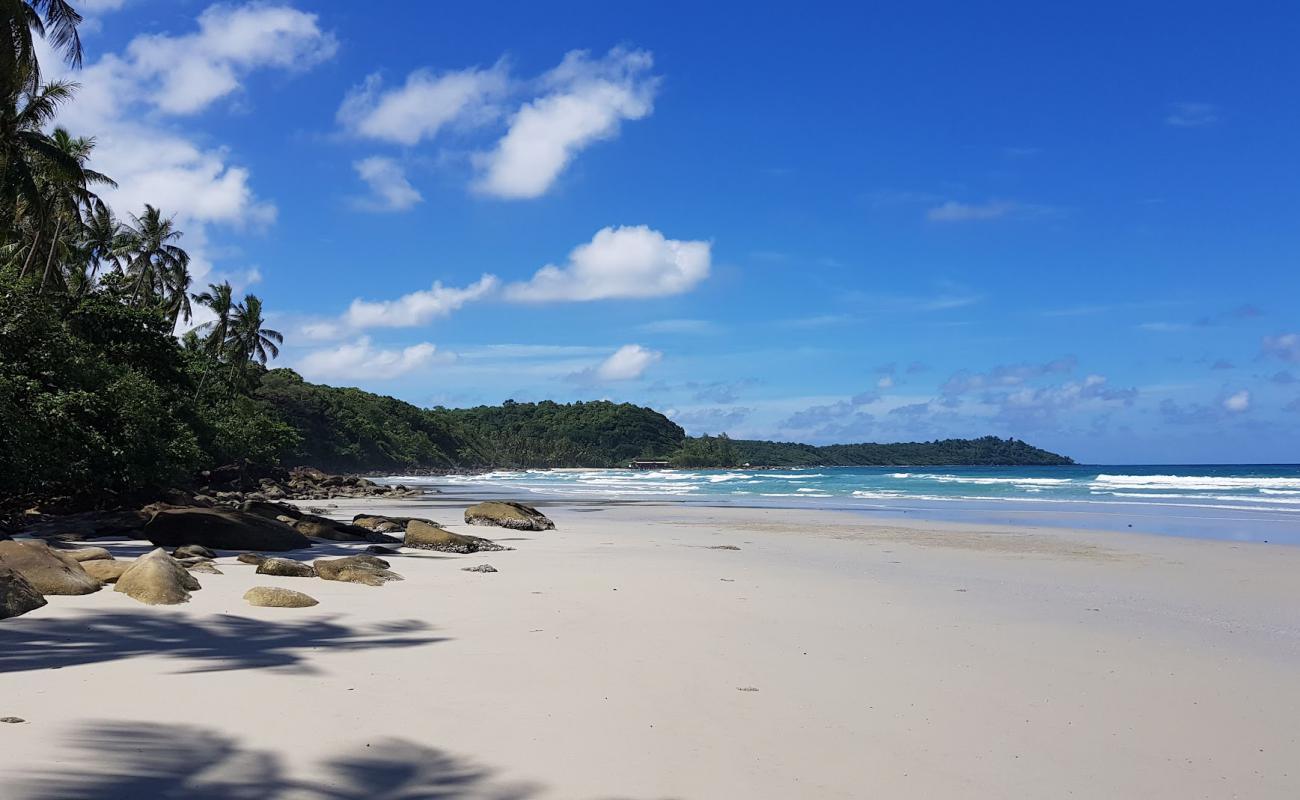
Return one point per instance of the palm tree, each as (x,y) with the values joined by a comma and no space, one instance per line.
(68,196)
(176,293)
(219,298)
(27,153)
(55,20)
(248,337)
(101,241)
(150,255)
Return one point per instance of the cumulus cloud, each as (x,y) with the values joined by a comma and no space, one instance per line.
(624,262)
(1285,346)
(389,188)
(423,106)
(125,96)
(586,100)
(416,308)
(361,360)
(1237,401)
(627,363)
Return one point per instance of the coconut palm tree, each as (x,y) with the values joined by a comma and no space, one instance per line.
(101,242)
(27,153)
(150,255)
(248,338)
(176,292)
(21,21)
(220,299)
(68,198)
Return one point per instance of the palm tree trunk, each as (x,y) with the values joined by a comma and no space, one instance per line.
(58,226)
(28,261)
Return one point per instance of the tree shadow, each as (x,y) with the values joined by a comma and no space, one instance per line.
(119,761)
(217,644)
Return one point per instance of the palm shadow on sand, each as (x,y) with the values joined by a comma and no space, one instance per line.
(213,644)
(133,761)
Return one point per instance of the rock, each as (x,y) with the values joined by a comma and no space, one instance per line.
(383,524)
(430,537)
(106,571)
(515,516)
(200,565)
(250,558)
(193,551)
(81,554)
(310,474)
(275,597)
(480,568)
(331,530)
(46,569)
(156,579)
(221,529)
(380,550)
(286,568)
(17,595)
(356,569)
(12,720)
(88,525)
(269,510)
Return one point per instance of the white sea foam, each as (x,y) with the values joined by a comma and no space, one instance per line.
(984,481)
(1191,482)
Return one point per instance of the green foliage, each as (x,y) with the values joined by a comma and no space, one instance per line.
(985,451)
(550,434)
(706,451)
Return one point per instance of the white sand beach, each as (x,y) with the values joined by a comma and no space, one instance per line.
(625,655)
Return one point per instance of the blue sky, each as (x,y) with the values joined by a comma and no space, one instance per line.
(1074,225)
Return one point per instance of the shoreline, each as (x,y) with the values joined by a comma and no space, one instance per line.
(633,653)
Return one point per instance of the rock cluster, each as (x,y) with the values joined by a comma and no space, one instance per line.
(231,483)
(423,536)
(515,516)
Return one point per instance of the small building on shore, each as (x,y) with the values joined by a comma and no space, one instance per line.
(648,465)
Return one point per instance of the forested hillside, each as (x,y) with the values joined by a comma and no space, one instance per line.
(987,450)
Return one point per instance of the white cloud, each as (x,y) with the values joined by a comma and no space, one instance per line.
(185,74)
(390,189)
(885,382)
(424,105)
(1191,115)
(587,100)
(627,363)
(124,95)
(625,262)
(1238,402)
(952,211)
(361,360)
(416,308)
(1285,346)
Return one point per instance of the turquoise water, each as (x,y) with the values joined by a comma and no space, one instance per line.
(1234,502)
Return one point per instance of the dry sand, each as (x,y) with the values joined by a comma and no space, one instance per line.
(624,656)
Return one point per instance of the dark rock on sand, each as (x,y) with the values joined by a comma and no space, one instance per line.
(275,597)
(515,516)
(286,568)
(17,596)
(106,571)
(222,529)
(429,537)
(193,551)
(356,569)
(205,565)
(265,508)
(382,524)
(329,529)
(250,558)
(157,579)
(480,568)
(83,554)
(380,550)
(87,525)
(46,569)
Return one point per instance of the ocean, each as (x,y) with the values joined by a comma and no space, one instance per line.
(1241,502)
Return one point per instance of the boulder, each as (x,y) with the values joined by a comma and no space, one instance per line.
(382,524)
(515,516)
(48,571)
(331,530)
(480,568)
(269,510)
(17,596)
(221,529)
(106,571)
(430,537)
(206,565)
(356,569)
(275,597)
(82,554)
(380,550)
(88,525)
(156,579)
(193,551)
(250,558)
(286,568)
